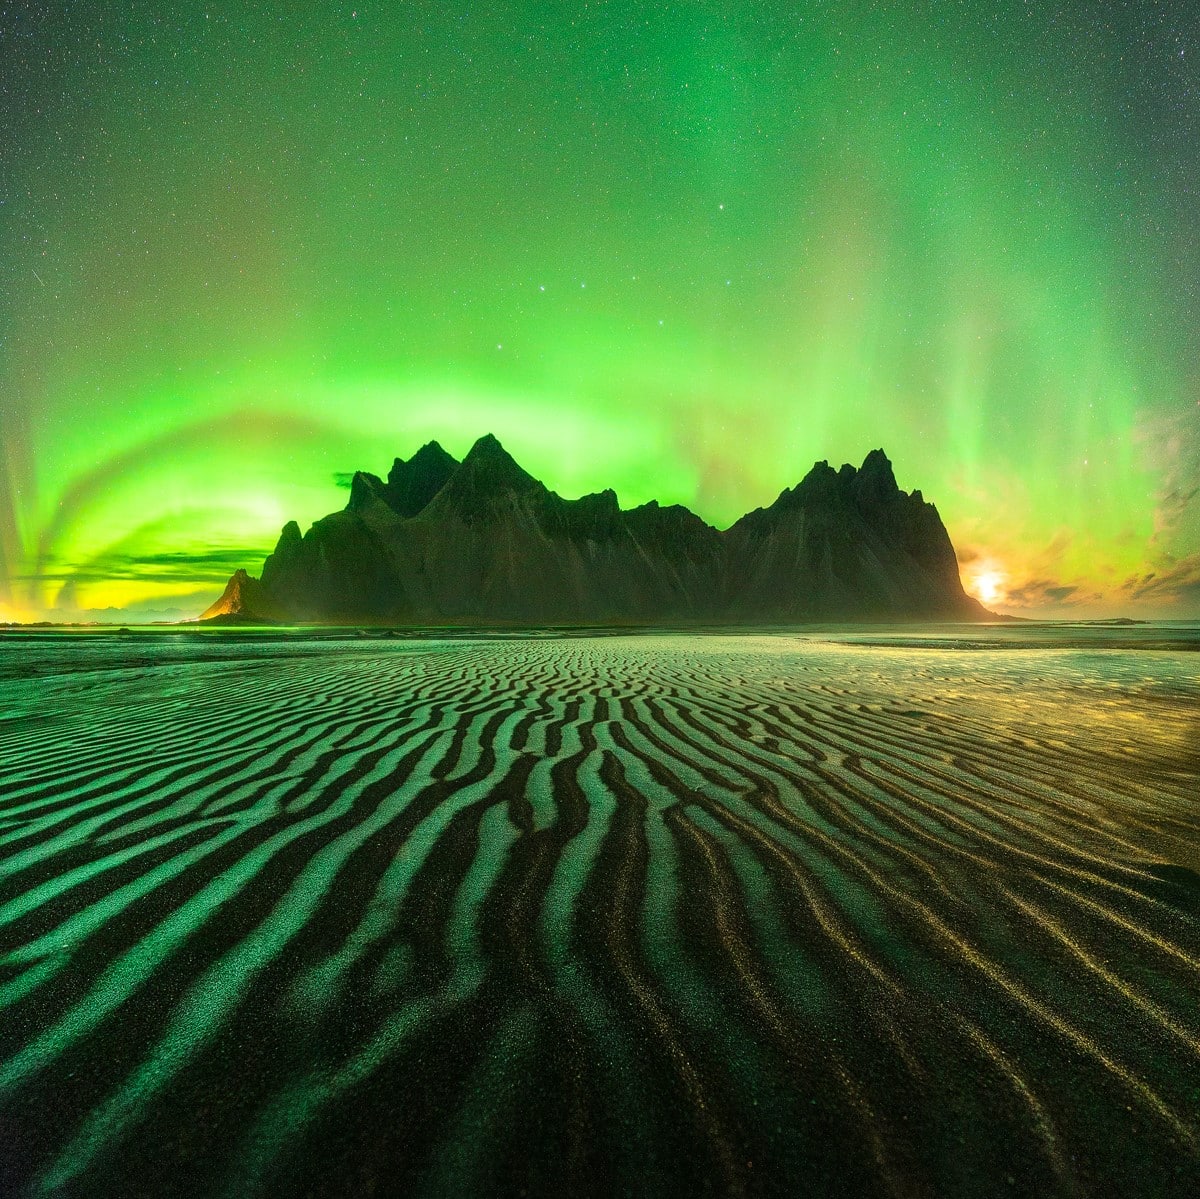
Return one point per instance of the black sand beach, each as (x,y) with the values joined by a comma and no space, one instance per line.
(294,914)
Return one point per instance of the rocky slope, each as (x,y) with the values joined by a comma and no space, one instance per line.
(482,541)
(244,599)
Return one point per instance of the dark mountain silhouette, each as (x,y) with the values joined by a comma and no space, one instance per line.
(483,541)
(410,485)
(846,542)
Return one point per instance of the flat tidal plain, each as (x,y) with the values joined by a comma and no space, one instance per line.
(758,914)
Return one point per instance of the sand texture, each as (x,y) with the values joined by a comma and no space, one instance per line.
(658,915)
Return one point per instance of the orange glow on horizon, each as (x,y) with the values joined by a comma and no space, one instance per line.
(120,593)
(11,615)
(987,583)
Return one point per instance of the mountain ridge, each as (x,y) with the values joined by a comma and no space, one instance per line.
(482,541)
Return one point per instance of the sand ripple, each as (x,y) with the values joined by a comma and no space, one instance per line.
(648,916)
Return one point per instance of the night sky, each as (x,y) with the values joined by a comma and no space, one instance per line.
(683,250)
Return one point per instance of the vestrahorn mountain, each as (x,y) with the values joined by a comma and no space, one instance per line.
(483,542)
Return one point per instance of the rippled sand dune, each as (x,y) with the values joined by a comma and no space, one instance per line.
(617,915)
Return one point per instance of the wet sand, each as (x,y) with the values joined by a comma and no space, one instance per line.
(644,915)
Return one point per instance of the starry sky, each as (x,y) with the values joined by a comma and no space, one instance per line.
(683,250)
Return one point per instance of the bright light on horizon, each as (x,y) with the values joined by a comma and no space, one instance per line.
(12,615)
(987,584)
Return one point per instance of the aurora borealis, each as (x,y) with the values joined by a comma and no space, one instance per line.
(680,249)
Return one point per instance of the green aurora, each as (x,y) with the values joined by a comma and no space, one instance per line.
(681,250)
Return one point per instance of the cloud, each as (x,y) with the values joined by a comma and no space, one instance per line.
(1059,594)
(1039,593)
(1173,506)
(207,566)
(67,596)
(1178,582)
(343,478)
(1170,446)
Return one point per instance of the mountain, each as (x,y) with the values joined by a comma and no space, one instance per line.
(410,485)
(483,542)
(848,542)
(243,600)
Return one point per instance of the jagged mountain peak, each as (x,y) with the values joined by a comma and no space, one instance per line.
(432,449)
(289,535)
(875,481)
(605,500)
(489,443)
(821,480)
(412,485)
(430,458)
(488,474)
(365,488)
(242,600)
(872,483)
(488,453)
